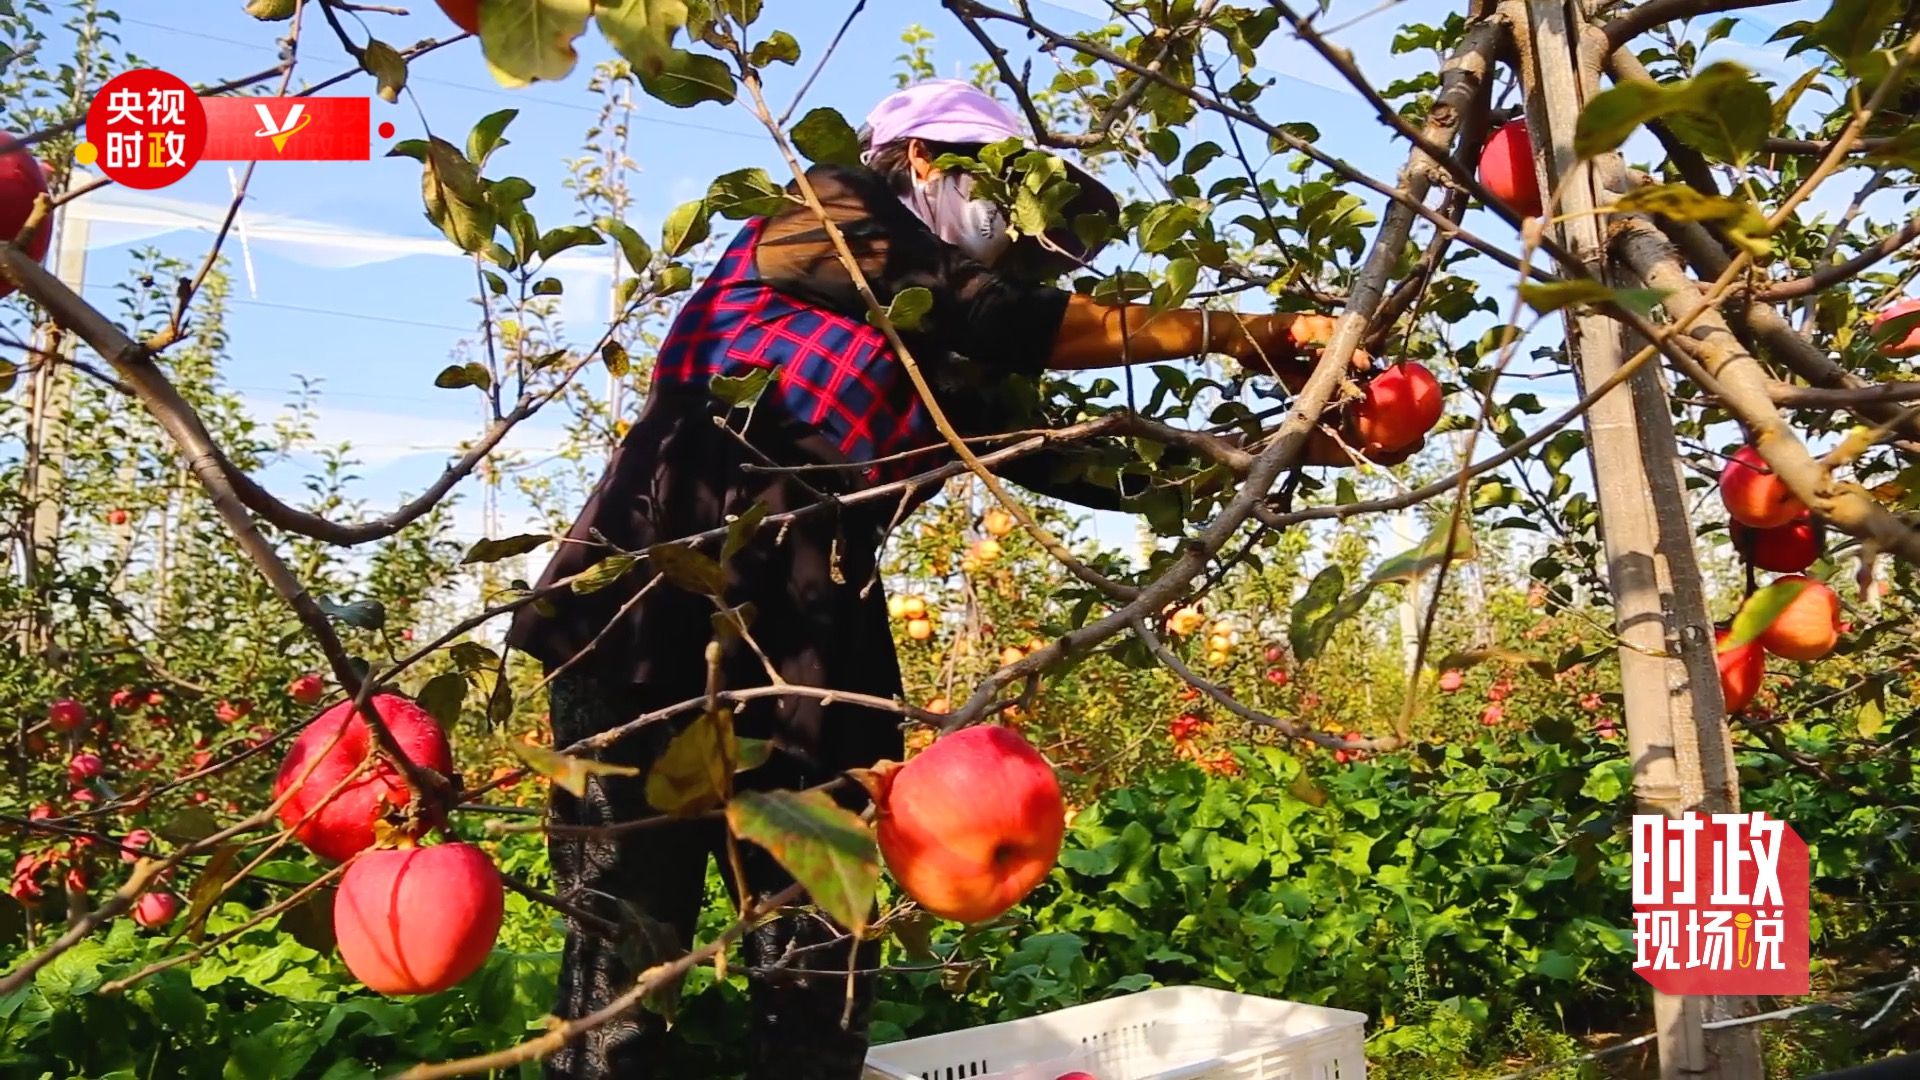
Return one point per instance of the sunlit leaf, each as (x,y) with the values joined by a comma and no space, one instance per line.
(388,68)
(642,30)
(1702,106)
(457,376)
(739,390)
(568,771)
(487,551)
(488,135)
(530,40)
(695,772)
(603,573)
(1435,549)
(638,254)
(689,568)
(825,846)
(825,137)
(207,887)
(745,193)
(908,308)
(689,224)
(1547,297)
(442,697)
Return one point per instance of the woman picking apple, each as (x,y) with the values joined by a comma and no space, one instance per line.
(780,300)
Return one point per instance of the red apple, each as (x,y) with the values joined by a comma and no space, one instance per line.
(139,839)
(1783,549)
(1905,346)
(40,812)
(232,712)
(1076,1076)
(307,689)
(1400,406)
(1506,168)
(1492,715)
(116,517)
(1277,676)
(1754,496)
(21,182)
(66,715)
(1741,671)
(155,909)
(83,767)
(464,13)
(83,796)
(343,824)
(1451,680)
(1808,627)
(964,857)
(122,699)
(417,920)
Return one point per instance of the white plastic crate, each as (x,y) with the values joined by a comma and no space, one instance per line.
(1173,1033)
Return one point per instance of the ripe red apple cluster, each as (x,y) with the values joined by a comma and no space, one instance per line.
(408,920)
(960,856)
(1773,530)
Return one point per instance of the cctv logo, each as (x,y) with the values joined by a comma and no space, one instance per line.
(278,132)
(329,129)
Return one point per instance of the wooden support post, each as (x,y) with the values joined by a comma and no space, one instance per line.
(1675,717)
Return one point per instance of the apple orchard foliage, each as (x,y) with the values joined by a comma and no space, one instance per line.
(1453,889)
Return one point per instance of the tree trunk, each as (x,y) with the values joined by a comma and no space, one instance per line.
(1675,717)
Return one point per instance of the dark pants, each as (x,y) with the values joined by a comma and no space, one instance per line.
(654,879)
(817,622)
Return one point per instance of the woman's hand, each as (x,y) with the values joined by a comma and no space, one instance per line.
(1286,346)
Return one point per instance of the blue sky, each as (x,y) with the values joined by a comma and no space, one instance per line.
(351,286)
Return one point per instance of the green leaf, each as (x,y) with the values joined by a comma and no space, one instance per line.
(695,772)
(1703,107)
(642,30)
(473,656)
(387,66)
(689,224)
(1759,611)
(638,255)
(1851,29)
(753,754)
(456,376)
(206,889)
(908,309)
(9,374)
(456,200)
(615,357)
(529,40)
(687,567)
(1434,550)
(189,826)
(603,573)
(738,390)
(687,79)
(1872,716)
(745,193)
(780,48)
(677,278)
(569,772)
(361,615)
(740,530)
(442,697)
(567,237)
(1547,297)
(271,10)
(825,846)
(1314,606)
(548,286)
(488,135)
(826,138)
(488,551)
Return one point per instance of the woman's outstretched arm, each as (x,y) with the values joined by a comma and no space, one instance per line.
(1094,335)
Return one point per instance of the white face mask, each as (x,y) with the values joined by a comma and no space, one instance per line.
(975,226)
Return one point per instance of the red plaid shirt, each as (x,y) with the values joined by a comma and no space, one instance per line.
(832,372)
